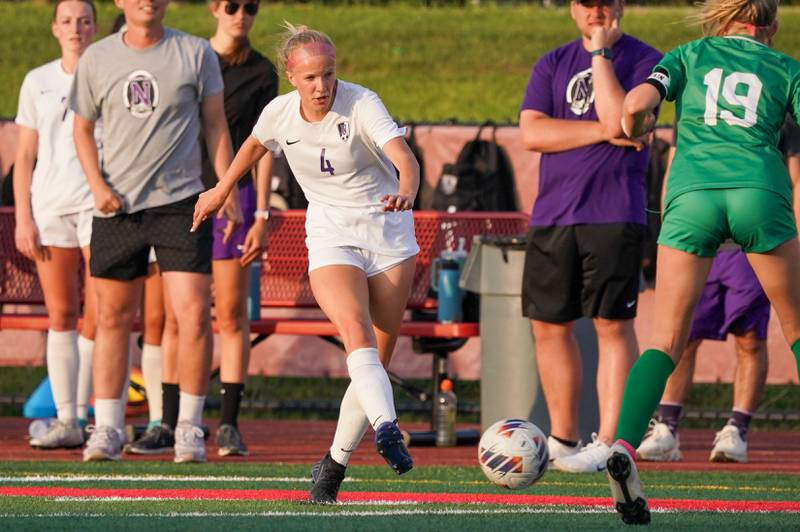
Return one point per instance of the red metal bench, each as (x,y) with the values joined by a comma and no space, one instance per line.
(284,281)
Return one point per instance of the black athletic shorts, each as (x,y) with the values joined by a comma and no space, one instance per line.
(120,245)
(589,270)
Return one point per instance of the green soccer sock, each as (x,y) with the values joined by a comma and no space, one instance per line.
(796,351)
(643,391)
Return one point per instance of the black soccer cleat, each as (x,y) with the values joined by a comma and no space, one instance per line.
(391,446)
(326,477)
(626,487)
(159,439)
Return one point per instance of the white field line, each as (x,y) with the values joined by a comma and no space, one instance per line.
(346,513)
(67,478)
(154,478)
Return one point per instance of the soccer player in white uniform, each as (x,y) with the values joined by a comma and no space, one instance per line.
(341,143)
(54,220)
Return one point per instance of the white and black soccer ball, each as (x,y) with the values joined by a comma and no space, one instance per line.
(513,453)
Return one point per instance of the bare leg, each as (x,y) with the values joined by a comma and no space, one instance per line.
(680,382)
(191,293)
(560,368)
(58,276)
(117,303)
(617,351)
(388,295)
(231,282)
(89,326)
(751,372)
(777,272)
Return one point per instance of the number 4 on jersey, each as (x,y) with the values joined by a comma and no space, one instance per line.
(325,164)
(749,100)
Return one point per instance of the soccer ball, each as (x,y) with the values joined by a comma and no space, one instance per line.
(513,453)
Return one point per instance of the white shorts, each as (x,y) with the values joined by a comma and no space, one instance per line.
(65,230)
(370,262)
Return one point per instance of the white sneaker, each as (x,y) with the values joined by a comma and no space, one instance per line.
(659,444)
(591,459)
(104,444)
(626,488)
(556,449)
(60,434)
(729,446)
(190,445)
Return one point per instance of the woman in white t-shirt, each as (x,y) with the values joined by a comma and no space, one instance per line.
(54,220)
(343,147)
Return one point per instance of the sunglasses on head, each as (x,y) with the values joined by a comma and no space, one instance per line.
(232,7)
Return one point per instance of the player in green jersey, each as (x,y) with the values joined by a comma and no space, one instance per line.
(728,181)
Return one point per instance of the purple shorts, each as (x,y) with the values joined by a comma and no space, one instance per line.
(732,301)
(231,250)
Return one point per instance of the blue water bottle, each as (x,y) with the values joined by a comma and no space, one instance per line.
(448,291)
(254,292)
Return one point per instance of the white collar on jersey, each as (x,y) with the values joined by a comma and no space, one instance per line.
(746,38)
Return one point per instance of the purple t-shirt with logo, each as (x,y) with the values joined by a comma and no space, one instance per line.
(594,184)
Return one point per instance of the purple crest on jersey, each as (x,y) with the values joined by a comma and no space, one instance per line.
(598,183)
(344,130)
(140,93)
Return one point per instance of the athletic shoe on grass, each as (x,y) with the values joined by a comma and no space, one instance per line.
(157,440)
(729,446)
(390,445)
(659,444)
(556,449)
(105,443)
(591,459)
(626,489)
(230,443)
(326,478)
(60,435)
(190,446)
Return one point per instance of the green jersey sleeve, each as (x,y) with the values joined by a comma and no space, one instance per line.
(668,75)
(794,97)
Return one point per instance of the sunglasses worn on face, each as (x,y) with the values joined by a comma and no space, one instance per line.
(592,3)
(232,7)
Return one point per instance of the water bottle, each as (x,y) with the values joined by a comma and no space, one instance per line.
(445,418)
(254,291)
(448,292)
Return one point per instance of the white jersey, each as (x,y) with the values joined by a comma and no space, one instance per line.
(340,165)
(59,185)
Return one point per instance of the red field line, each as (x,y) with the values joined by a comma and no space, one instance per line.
(711,505)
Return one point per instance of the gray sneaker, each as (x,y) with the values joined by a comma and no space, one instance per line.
(230,443)
(105,443)
(190,445)
(60,435)
(158,440)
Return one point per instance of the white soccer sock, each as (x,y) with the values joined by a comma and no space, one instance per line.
(351,427)
(85,353)
(62,368)
(109,413)
(151,371)
(191,408)
(371,385)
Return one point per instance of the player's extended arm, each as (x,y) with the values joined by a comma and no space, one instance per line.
(211,200)
(637,110)
(402,157)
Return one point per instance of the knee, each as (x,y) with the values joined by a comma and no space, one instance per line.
(544,331)
(111,316)
(356,331)
(750,346)
(613,329)
(194,317)
(62,316)
(230,320)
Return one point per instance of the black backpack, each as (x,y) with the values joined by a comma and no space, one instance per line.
(481,179)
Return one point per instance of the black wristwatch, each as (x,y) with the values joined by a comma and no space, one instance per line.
(605,53)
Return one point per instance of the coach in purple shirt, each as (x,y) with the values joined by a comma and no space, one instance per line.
(585,241)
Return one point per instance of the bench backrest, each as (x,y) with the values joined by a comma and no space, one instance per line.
(284,275)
